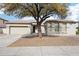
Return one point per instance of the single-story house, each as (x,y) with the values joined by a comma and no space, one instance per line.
(2,25)
(49,27)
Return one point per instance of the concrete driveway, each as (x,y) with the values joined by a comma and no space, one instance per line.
(6,40)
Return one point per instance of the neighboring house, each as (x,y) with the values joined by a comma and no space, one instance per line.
(2,25)
(50,27)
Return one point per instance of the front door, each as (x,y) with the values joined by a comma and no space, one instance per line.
(34,29)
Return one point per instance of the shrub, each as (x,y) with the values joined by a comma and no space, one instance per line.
(77,32)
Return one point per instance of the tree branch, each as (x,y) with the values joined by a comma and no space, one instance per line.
(32,12)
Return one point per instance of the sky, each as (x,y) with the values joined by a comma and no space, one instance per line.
(73,10)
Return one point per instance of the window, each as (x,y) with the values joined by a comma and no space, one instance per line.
(53,27)
(63,28)
(57,28)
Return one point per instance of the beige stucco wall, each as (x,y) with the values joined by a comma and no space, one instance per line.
(42,29)
(71,29)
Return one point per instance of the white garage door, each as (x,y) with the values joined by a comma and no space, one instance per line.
(20,30)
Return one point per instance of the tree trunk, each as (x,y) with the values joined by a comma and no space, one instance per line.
(39,30)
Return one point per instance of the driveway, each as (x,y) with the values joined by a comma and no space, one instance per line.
(6,40)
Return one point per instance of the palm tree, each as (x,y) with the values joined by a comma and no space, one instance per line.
(40,11)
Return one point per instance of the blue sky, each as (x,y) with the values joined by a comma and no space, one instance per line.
(73,9)
(4,16)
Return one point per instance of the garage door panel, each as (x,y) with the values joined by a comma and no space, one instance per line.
(20,30)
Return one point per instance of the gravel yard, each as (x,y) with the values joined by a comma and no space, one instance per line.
(47,41)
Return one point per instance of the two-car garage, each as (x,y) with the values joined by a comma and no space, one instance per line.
(18,28)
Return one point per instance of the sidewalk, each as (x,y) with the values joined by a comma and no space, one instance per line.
(40,51)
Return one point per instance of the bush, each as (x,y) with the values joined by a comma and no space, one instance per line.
(77,32)
(77,28)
